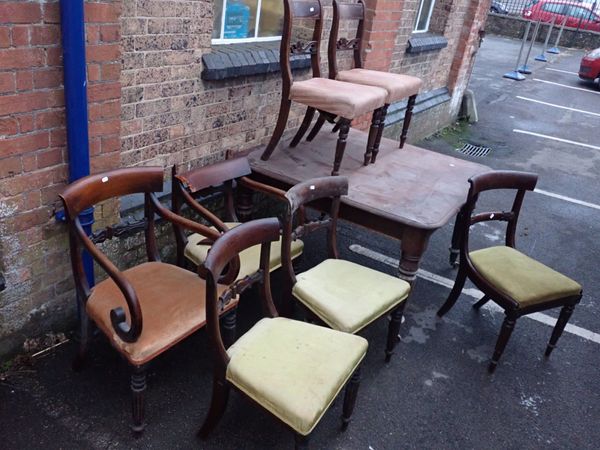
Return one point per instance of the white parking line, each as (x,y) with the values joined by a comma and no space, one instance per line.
(568,199)
(562,71)
(566,141)
(474,293)
(567,86)
(558,106)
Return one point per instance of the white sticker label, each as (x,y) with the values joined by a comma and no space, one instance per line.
(312,187)
(492,216)
(311,9)
(104,179)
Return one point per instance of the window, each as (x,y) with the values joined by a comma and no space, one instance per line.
(247,21)
(580,13)
(556,8)
(424,16)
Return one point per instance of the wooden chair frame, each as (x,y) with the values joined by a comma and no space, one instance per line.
(328,189)
(348,12)
(309,10)
(257,232)
(94,189)
(521,182)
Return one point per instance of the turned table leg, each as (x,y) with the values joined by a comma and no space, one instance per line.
(413,245)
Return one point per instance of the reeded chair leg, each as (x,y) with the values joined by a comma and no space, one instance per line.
(561,323)
(507,328)
(229,328)
(284,112)
(218,404)
(407,118)
(461,277)
(316,128)
(138,391)
(375,122)
(301,442)
(383,109)
(341,146)
(481,302)
(393,330)
(308,117)
(350,398)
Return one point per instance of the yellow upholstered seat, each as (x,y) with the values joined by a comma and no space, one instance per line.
(398,86)
(525,280)
(249,258)
(294,369)
(348,296)
(337,97)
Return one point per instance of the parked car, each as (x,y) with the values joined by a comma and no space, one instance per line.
(498,8)
(577,15)
(590,66)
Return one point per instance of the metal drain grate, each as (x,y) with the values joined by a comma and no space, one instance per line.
(474,150)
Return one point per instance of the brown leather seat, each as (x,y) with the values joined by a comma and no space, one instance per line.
(173,307)
(336,97)
(398,86)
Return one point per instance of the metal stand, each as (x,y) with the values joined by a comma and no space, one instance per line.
(525,68)
(542,57)
(555,50)
(515,75)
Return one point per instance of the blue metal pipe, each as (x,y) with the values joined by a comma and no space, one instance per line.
(72,27)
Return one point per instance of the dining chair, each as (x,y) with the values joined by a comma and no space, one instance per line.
(202,189)
(397,86)
(332,98)
(292,369)
(517,283)
(148,308)
(342,294)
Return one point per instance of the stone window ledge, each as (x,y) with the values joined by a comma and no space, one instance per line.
(238,60)
(426,42)
(425,101)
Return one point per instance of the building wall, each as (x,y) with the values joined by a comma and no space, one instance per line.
(149,106)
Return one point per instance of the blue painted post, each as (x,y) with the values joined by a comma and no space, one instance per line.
(72,27)
(555,50)
(542,57)
(514,74)
(525,68)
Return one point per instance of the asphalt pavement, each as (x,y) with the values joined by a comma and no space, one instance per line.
(436,391)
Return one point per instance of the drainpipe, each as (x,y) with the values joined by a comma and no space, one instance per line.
(72,27)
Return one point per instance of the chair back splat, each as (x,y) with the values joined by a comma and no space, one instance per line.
(346,11)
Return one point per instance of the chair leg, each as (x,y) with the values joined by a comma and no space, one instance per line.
(481,302)
(301,442)
(507,328)
(373,131)
(336,126)
(229,328)
(407,118)
(350,398)
(138,390)
(393,329)
(384,109)
(308,117)
(454,246)
(284,112)
(84,337)
(218,404)
(341,146)
(316,128)
(461,277)
(565,315)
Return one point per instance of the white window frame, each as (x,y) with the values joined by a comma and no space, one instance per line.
(256,38)
(419,13)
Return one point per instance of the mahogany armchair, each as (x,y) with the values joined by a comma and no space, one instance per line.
(148,308)
(332,98)
(226,178)
(397,86)
(344,295)
(513,280)
(292,369)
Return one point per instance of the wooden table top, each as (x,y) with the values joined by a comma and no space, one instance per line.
(412,186)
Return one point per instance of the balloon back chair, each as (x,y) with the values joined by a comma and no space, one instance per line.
(292,369)
(146,309)
(331,98)
(517,283)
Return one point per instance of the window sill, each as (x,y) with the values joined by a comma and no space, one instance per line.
(245,59)
(425,42)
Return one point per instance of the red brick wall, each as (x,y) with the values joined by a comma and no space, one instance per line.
(33,250)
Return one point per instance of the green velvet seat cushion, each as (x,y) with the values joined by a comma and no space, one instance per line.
(525,280)
(294,369)
(249,258)
(348,296)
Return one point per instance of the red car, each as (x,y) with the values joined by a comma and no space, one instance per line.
(577,15)
(590,66)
